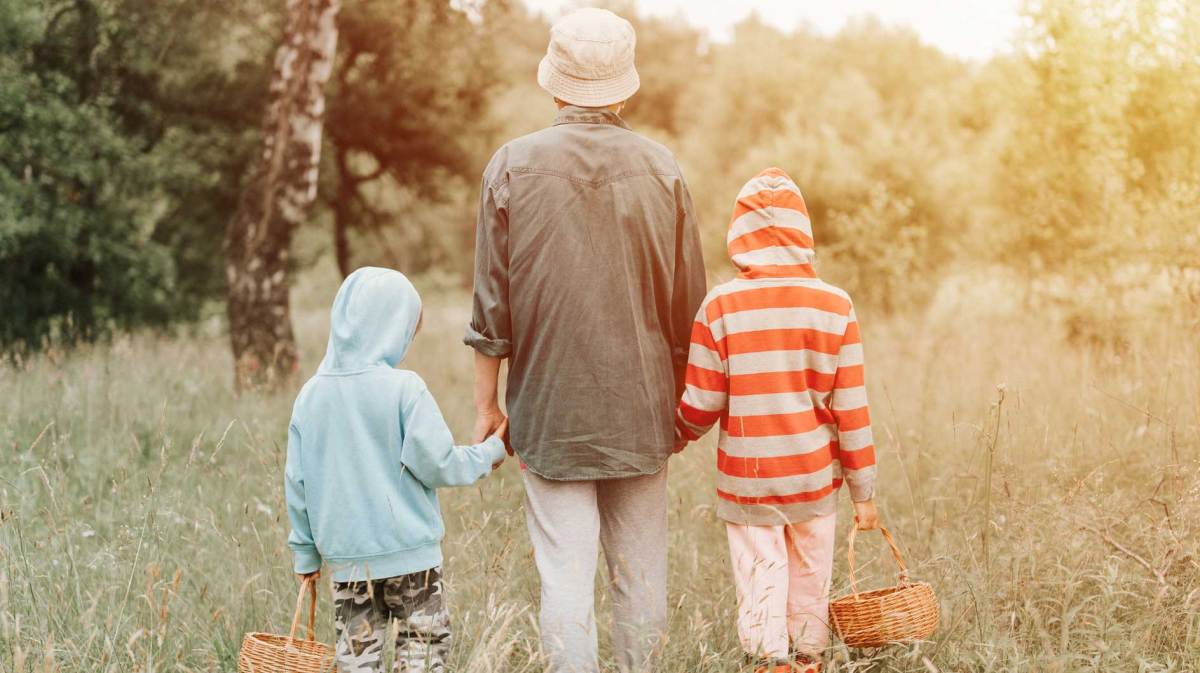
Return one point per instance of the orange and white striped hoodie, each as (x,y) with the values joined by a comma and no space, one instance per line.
(776,358)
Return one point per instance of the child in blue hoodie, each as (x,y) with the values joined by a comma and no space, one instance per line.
(367,447)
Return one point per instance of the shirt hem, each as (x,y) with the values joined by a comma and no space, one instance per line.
(775,515)
(382,566)
(597,476)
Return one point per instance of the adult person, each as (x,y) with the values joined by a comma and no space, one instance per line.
(588,275)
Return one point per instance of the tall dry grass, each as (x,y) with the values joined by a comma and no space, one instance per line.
(1049,492)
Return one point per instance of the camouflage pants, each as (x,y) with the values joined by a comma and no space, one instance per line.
(364,610)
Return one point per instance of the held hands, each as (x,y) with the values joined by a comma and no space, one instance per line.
(681,442)
(490,422)
(502,433)
(866,517)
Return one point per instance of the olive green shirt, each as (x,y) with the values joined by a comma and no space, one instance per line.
(588,275)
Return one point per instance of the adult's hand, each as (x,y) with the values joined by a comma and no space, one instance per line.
(502,431)
(487,423)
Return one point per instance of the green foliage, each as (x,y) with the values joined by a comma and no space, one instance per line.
(668,54)
(407,122)
(409,87)
(123,131)
(75,248)
(868,124)
(1103,168)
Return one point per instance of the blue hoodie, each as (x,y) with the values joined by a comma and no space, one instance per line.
(367,444)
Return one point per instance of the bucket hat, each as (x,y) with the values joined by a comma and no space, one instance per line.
(589,62)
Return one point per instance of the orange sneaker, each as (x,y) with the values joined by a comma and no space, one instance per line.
(806,664)
(773,666)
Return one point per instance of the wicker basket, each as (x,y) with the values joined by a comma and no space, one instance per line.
(905,612)
(268,653)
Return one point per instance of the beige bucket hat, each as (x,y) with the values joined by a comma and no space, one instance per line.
(590,59)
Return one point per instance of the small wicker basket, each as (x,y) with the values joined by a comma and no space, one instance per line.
(905,612)
(268,653)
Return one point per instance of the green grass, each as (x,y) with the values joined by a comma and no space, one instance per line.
(143,525)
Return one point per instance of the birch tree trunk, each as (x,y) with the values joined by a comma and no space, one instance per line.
(280,188)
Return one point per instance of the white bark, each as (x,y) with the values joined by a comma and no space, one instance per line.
(279,192)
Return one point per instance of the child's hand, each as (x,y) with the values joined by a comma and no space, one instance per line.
(865,515)
(681,442)
(304,577)
(502,433)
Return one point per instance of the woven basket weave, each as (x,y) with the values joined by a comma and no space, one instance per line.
(268,653)
(905,612)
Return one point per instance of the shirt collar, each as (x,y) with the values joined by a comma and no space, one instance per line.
(573,114)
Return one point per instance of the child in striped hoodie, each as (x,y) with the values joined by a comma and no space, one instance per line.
(776,358)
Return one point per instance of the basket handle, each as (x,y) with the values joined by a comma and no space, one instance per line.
(311,585)
(895,554)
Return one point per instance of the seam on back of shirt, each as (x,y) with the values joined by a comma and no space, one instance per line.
(591,183)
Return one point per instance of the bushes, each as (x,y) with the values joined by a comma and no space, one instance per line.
(120,148)
(76,256)
(881,152)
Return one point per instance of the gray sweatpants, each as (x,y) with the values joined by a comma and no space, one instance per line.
(568,521)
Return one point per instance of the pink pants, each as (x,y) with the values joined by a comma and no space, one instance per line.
(781,574)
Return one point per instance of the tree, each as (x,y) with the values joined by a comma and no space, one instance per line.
(117,118)
(866,122)
(408,111)
(1106,142)
(279,190)
(668,61)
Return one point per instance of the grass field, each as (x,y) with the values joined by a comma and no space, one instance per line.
(1049,492)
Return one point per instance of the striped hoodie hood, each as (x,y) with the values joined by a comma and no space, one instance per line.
(770,234)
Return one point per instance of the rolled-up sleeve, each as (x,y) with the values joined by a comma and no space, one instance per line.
(490,331)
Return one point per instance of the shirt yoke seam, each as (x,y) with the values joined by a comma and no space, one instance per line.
(589,183)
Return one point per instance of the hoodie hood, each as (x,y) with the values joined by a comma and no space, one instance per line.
(770,235)
(373,321)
